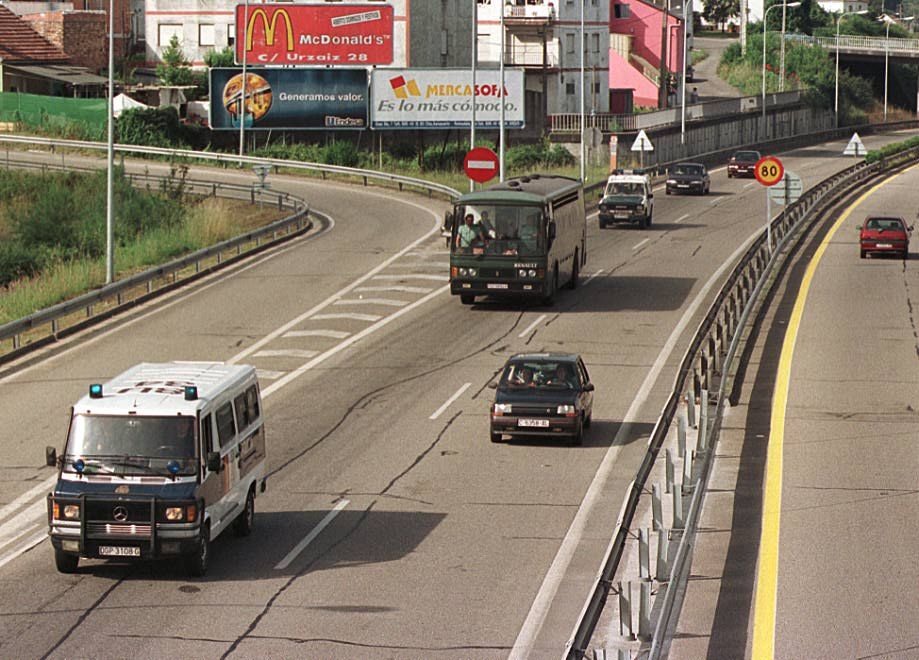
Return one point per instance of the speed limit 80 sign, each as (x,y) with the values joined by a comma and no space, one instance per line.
(769,170)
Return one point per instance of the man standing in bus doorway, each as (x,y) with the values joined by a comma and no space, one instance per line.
(468,233)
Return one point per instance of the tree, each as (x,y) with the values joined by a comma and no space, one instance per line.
(219,58)
(720,11)
(175,69)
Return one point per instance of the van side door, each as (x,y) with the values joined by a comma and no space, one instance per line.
(211,489)
(228,441)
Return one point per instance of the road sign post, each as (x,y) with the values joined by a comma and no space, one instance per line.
(769,171)
(642,144)
(855,147)
(481,164)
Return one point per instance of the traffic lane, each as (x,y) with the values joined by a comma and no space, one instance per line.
(848,511)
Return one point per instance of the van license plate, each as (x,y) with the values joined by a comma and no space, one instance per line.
(492,285)
(118,551)
(538,423)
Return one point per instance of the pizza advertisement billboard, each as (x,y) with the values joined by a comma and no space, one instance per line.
(289,99)
(314,35)
(442,98)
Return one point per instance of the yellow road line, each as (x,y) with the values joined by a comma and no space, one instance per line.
(768,565)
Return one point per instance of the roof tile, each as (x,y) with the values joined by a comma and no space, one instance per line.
(19,42)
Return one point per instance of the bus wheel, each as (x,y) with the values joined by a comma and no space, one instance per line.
(575,271)
(467,298)
(549,298)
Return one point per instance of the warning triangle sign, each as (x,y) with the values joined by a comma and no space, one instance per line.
(642,142)
(855,147)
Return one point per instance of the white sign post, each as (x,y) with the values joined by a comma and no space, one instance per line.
(855,147)
(642,144)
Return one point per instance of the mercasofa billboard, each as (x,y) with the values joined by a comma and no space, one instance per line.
(442,98)
(312,35)
(289,99)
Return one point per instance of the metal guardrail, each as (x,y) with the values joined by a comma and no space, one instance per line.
(54,322)
(713,347)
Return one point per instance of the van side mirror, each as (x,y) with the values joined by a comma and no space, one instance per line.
(859,228)
(650,195)
(448,221)
(51,456)
(589,387)
(214,463)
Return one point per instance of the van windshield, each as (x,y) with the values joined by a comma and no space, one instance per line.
(625,188)
(120,445)
(493,229)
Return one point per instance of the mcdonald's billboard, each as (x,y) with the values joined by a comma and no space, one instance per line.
(314,35)
(289,99)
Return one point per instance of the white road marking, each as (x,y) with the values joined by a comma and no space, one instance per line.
(532,326)
(23,520)
(25,547)
(309,538)
(436,278)
(319,359)
(332,334)
(752,183)
(44,487)
(287,352)
(397,288)
(424,264)
(267,374)
(351,317)
(641,243)
(440,411)
(593,277)
(523,646)
(680,219)
(373,301)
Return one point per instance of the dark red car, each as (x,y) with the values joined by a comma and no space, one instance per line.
(884,235)
(743,163)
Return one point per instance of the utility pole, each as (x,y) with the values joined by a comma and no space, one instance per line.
(665,17)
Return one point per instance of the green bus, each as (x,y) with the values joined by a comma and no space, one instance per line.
(523,237)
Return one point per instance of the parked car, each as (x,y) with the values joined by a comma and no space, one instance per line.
(743,163)
(884,235)
(688,178)
(544,394)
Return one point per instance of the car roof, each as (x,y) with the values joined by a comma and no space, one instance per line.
(546,357)
(687,163)
(885,217)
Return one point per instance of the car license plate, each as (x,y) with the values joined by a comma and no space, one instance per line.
(621,214)
(537,423)
(682,185)
(493,285)
(119,551)
(884,245)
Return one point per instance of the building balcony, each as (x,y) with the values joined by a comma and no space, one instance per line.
(531,55)
(531,10)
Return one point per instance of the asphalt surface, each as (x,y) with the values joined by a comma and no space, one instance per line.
(431,542)
(706,80)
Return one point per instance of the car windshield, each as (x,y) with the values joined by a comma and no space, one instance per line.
(499,230)
(625,188)
(539,374)
(693,170)
(880,224)
(114,444)
(747,156)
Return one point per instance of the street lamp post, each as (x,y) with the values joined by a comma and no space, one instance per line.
(836,95)
(687,12)
(503,101)
(475,61)
(784,6)
(110,153)
(888,20)
(583,146)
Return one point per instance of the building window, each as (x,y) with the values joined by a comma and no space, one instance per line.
(165,33)
(569,43)
(206,35)
(596,39)
(596,88)
(569,89)
(621,11)
(231,35)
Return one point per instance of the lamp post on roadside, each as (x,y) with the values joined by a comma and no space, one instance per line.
(583,146)
(888,20)
(110,154)
(503,101)
(784,6)
(687,12)
(836,96)
(475,58)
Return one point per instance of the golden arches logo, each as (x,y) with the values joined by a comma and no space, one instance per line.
(271,26)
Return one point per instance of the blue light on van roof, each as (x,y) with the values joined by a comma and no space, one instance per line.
(191,393)
(95,391)
(79,465)
(173,467)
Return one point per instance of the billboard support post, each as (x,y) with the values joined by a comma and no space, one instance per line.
(501,100)
(242,98)
(475,61)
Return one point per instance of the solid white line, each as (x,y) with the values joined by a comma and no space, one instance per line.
(396,288)
(593,277)
(680,219)
(523,646)
(373,301)
(440,411)
(436,278)
(319,359)
(752,183)
(423,264)
(44,487)
(301,546)
(27,529)
(332,334)
(532,326)
(287,352)
(28,545)
(23,520)
(350,317)
(641,243)
(266,374)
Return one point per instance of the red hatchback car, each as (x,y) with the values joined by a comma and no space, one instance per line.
(884,235)
(743,163)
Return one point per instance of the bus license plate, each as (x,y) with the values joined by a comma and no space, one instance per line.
(118,551)
(493,285)
(538,423)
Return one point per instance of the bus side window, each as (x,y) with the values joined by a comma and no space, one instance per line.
(226,427)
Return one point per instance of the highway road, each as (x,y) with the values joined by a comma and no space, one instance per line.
(391,527)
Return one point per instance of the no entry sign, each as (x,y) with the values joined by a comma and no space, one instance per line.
(481,164)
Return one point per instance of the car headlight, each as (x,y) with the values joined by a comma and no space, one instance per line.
(640,208)
(567,411)
(502,409)
(174,513)
(671,181)
(72,511)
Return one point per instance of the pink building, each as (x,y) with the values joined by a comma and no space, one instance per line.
(635,48)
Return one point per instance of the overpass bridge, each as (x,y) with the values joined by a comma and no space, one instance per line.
(858,47)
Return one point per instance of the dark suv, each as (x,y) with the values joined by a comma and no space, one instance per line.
(545,394)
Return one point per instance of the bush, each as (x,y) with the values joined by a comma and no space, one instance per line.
(16,262)
(342,153)
(150,127)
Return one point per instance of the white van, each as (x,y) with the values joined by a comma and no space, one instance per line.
(158,462)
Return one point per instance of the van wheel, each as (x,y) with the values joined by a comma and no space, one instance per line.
(643,223)
(196,563)
(575,271)
(65,562)
(244,522)
(467,298)
(496,437)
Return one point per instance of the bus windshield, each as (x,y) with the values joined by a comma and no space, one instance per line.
(499,230)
